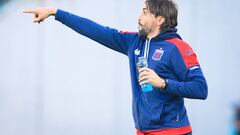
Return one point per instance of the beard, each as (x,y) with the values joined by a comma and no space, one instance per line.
(143,31)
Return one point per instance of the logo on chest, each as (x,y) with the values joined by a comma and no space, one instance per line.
(137,52)
(158,54)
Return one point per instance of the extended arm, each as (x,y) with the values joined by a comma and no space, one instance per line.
(106,36)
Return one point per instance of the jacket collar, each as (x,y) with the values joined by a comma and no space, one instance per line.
(168,34)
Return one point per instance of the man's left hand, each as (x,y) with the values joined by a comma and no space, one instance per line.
(147,75)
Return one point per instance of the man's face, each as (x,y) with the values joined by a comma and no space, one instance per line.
(147,22)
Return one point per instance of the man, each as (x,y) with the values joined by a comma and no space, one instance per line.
(173,69)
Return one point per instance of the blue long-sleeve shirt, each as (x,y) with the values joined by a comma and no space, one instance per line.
(169,56)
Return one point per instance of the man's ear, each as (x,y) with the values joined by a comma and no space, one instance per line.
(160,20)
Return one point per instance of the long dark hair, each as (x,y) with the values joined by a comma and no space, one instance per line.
(167,9)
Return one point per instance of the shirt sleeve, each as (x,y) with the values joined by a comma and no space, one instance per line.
(106,36)
(191,82)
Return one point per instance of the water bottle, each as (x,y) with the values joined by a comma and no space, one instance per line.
(142,62)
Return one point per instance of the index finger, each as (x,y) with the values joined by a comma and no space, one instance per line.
(29,11)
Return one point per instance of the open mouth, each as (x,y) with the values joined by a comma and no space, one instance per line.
(139,24)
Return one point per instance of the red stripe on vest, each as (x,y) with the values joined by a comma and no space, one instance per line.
(169,131)
(189,57)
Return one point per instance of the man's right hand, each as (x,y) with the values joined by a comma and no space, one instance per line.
(40,14)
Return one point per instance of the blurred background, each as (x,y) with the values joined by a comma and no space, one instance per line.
(54,81)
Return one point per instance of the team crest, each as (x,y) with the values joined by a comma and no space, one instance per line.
(158,54)
(137,52)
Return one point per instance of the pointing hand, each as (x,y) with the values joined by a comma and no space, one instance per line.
(40,14)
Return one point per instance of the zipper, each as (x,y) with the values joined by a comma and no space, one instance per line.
(177,118)
(138,117)
(146,52)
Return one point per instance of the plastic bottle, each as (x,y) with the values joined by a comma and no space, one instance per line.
(142,62)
